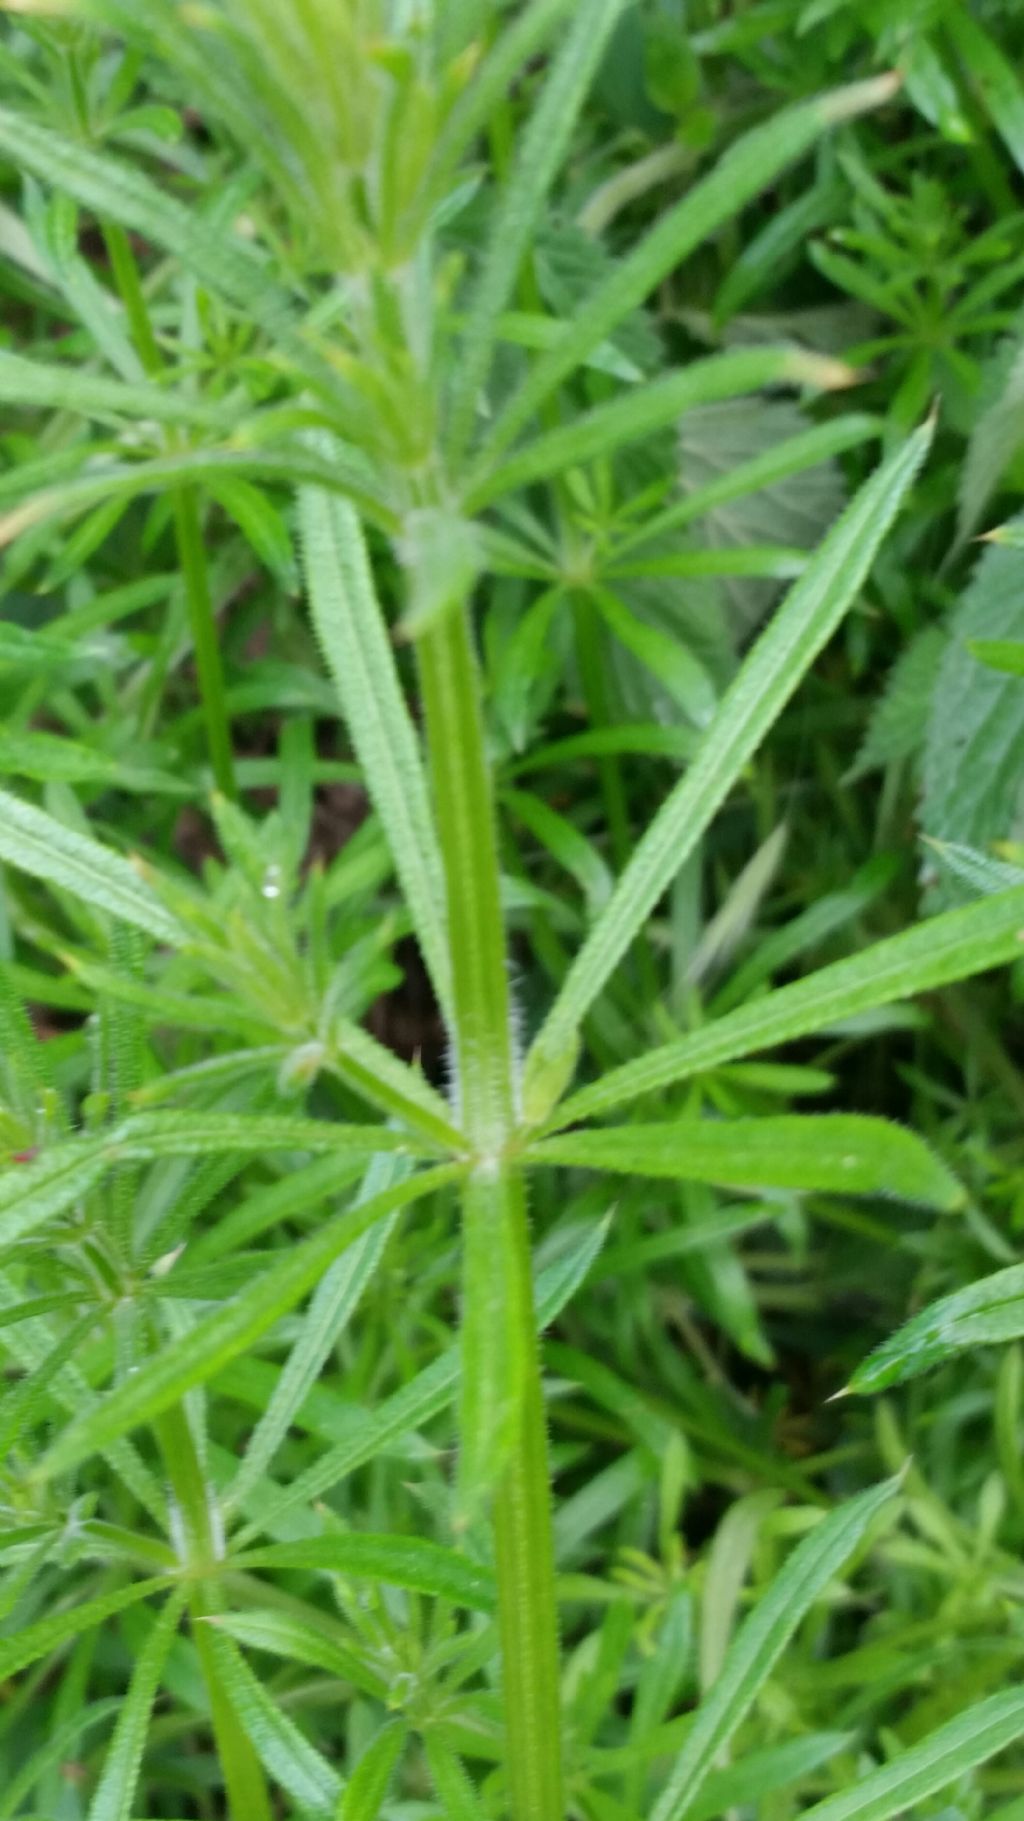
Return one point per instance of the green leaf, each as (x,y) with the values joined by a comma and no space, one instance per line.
(899,719)
(283,1635)
(59,1748)
(103,480)
(564,842)
(398,1561)
(217,1134)
(747,169)
(431,1391)
(930,1765)
(760,1642)
(285,1752)
(334,1301)
(542,147)
(728,1564)
(992,75)
(643,409)
(377,1073)
(972,770)
(371,1779)
(227,1331)
(665,655)
(50,758)
(994,441)
(514,47)
(45,385)
(35,843)
(353,637)
(766,474)
(451,1784)
(949,947)
(985,1314)
(33,1193)
(838,1151)
(115,1792)
(791,507)
(1000,654)
(118,192)
(763,1772)
(767,679)
(34,1641)
(979,872)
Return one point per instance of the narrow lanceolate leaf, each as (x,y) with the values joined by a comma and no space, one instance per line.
(398,1561)
(643,409)
(227,1331)
(284,1751)
(837,1151)
(760,1642)
(353,637)
(48,386)
(216,1134)
(774,1767)
(115,1791)
(940,1758)
(282,1635)
(459,1799)
(102,480)
(33,1193)
(117,192)
(372,1776)
(334,1300)
(986,1314)
(949,947)
(33,842)
(520,40)
(545,140)
(46,1635)
(747,169)
(379,1075)
(430,1392)
(993,76)
(767,679)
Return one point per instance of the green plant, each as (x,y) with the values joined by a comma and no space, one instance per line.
(438,427)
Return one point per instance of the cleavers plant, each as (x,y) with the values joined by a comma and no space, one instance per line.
(438,429)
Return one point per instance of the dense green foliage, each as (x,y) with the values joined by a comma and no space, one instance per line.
(511,905)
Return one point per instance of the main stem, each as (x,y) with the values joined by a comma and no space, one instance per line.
(496,1198)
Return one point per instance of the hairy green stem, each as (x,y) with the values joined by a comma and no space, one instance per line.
(525,1562)
(506,1417)
(248,1796)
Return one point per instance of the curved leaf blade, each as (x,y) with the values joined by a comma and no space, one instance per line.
(937,1760)
(767,679)
(951,946)
(842,1152)
(399,1561)
(353,638)
(761,1641)
(36,843)
(985,1314)
(220,1336)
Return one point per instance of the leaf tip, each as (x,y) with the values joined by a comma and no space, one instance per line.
(844,1391)
(860,97)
